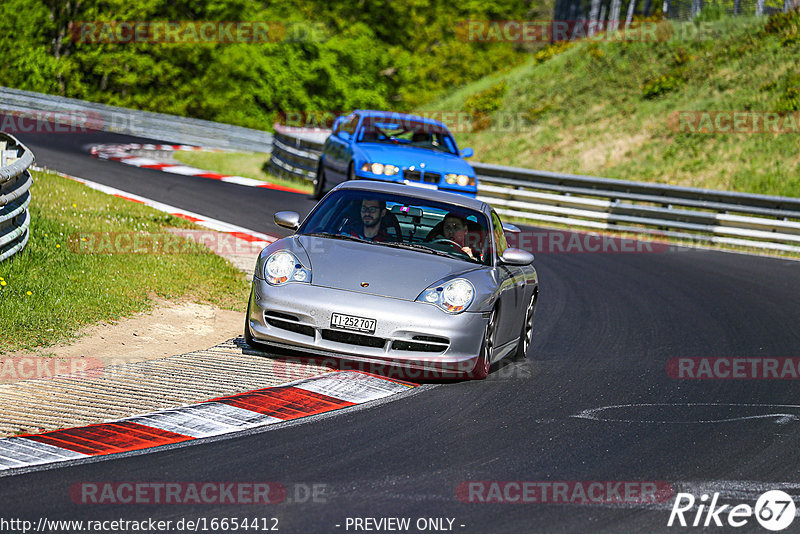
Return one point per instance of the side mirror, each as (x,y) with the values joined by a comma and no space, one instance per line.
(467,153)
(516,256)
(510,228)
(287,219)
(345,136)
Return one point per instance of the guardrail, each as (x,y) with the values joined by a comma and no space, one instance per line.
(168,128)
(595,203)
(15,196)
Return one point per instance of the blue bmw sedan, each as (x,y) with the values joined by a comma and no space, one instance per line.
(394,147)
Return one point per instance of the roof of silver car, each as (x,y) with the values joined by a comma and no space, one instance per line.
(410,190)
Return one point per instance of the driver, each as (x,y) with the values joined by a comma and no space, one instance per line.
(370,227)
(456,230)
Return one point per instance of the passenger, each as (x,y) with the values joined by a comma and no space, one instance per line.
(455,229)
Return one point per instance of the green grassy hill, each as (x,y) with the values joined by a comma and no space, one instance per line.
(610,108)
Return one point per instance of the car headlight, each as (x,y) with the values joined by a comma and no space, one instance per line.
(460,179)
(380,168)
(282,267)
(453,297)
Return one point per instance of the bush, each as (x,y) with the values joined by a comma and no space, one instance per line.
(788,101)
(549,51)
(783,22)
(711,12)
(483,103)
(659,86)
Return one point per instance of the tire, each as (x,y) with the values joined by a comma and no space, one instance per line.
(526,333)
(484,364)
(319,183)
(351,173)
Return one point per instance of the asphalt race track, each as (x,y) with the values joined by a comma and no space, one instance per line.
(606,326)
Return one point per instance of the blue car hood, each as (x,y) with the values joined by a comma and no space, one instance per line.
(406,156)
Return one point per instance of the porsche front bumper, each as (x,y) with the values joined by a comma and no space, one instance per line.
(408,334)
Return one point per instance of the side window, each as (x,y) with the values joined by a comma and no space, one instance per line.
(499,235)
(350,125)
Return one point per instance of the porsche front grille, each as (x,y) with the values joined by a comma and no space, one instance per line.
(352,338)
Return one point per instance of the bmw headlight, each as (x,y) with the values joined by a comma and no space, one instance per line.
(460,179)
(380,168)
(282,267)
(453,297)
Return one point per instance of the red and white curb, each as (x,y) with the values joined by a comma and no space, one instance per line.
(223,415)
(121,153)
(251,236)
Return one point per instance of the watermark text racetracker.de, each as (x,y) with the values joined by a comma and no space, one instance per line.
(548,31)
(564,492)
(195,31)
(457,121)
(182,241)
(733,368)
(572,242)
(184,524)
(173,241)
(14,368)
(50,122)
(726,122)
(197,493)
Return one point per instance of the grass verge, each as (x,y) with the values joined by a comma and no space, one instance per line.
(247,164)
(51,290)
(609,108)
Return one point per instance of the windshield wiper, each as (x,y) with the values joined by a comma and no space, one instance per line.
(336,236)
(416,246)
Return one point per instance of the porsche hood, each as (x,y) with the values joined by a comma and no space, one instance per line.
(375,269)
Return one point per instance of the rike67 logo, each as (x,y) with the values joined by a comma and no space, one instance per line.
(774,511)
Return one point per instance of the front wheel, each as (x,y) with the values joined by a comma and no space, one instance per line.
(351,173)
(484,364)
(526,334)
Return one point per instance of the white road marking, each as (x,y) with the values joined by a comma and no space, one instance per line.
(780,418)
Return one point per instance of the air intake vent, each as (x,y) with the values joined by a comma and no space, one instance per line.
(353,339)
(285,321)
(415,176)
(422,344)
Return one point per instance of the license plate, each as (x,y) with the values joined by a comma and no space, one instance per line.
(351,322)
(419,184)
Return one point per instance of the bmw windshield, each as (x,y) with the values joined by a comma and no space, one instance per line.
(403,222)
(407,132)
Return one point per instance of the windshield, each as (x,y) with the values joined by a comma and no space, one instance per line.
(407,132)
(403,222)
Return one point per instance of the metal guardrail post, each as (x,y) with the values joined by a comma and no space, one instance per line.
(15,196)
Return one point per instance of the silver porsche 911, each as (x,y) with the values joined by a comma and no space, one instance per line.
(392,275)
